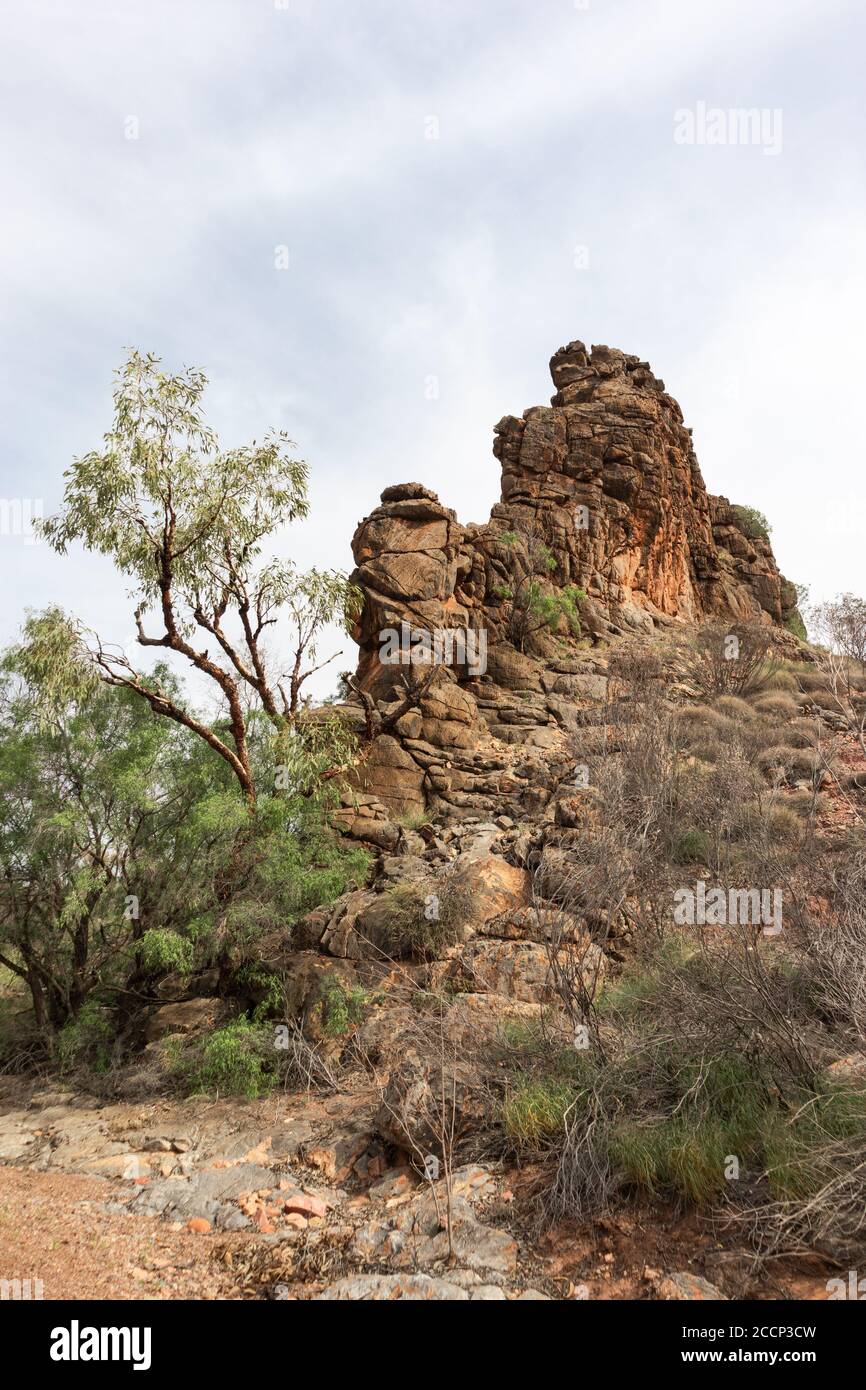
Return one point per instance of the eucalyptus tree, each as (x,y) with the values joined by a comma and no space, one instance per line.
(186,522)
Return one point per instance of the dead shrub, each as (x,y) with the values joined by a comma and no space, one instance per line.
(734,660)
(422,922)
(803,733)
(793,763)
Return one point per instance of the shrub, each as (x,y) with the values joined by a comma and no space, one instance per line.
(781,822)
(814,682)
(734,707)
(801,802)
(782,680)
(753,523)
(415,820)
(342,1006)
(802,733)
(711,751)
(424,923)
(796,763)
(732,660)
(692,847)
(86,1039)
(165,950)
(717,1108)
(695,721)
(236,1060)
(796,1144)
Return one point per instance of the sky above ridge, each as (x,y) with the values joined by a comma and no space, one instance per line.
(371,224)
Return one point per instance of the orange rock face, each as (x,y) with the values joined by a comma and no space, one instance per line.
(603,515)
(606,479)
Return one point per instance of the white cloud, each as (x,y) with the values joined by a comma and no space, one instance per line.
(739,277)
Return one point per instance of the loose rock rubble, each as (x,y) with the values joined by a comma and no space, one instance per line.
(222,1175)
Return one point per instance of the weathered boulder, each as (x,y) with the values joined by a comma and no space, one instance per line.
(190,1016)
(410,1114)
(491,885)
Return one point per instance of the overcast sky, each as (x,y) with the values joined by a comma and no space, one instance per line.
(461,186)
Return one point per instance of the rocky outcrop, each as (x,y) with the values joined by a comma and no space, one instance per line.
(604,527)
(606,479)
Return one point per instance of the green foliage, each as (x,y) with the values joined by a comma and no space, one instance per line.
(160,455)
(342,1006)
(127,850)
(545,1080)
(185,521)
(796,1143)
(753,523)
(642,989)
(681,1090)
(550,608)
(415,820)
(86,1039)
(802,592)
(535,606)
(236,1060)
(692,847)
(255,978)
(718,1107)
(161,950)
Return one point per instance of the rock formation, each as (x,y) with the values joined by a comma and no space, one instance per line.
(605,518)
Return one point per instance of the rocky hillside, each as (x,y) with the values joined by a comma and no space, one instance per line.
(497,1067)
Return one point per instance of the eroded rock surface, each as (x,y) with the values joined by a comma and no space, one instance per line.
(601,492)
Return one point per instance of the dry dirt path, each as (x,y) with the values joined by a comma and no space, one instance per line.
(53,1228)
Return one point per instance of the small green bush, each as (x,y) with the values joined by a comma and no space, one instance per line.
(165,950)
(796,625)
(342,1006)
(693,846)
(236,1060)
(534,1112)
(86,1039)
(798,1143)
(754,524)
